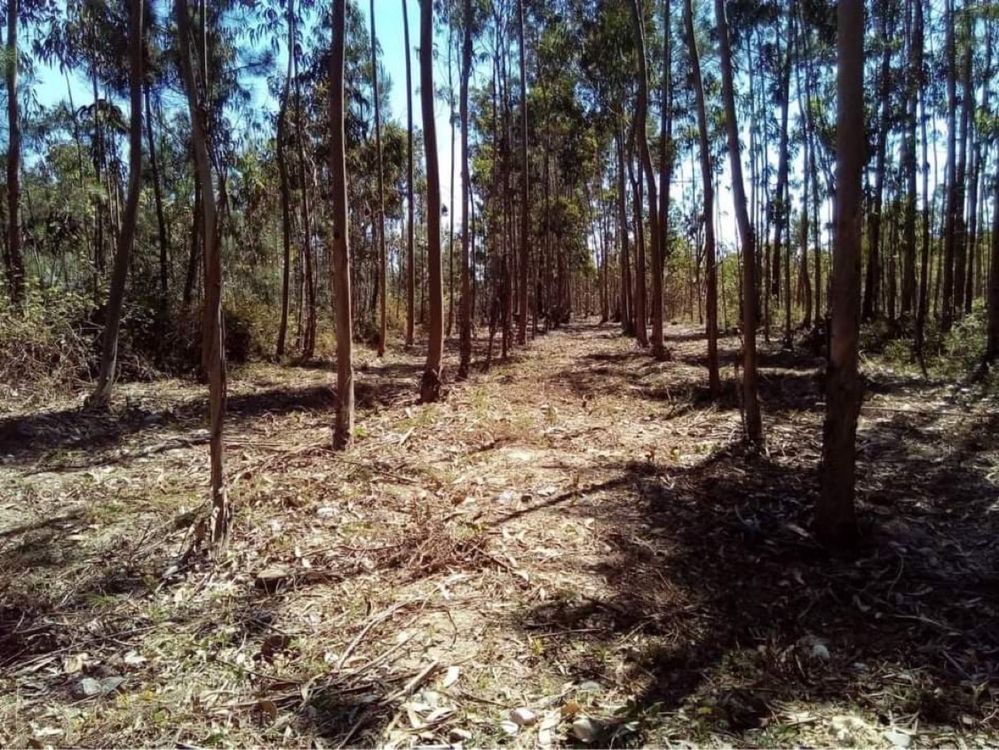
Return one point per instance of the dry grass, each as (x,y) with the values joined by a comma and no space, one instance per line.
(576,532)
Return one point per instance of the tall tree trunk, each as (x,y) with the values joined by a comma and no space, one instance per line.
(992,340)
(872,287)
(783,160)
(641,312)
(465,305)
(950,227)
(410,245)
(627,307)
(922,302)
(382,255)
(960,227)
(161,226)
(450,205)
(15,256)
(101,396)
(641,126)
(666,140)
(525,200)
(221,510)
(750,396)
(714,379)
(309,337)
(343,425)
(835,518)
(909,170)
(430,387)
(282,163)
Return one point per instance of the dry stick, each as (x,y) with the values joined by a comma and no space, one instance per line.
(413,684)
(377,620)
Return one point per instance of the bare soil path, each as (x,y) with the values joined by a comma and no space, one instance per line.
(572,547)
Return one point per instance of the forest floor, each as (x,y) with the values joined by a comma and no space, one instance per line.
(572,548)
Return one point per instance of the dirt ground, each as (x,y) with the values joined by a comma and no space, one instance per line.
(572,549)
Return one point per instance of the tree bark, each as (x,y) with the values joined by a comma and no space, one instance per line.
(213,327)
(524,185)
(282,163)
(714,379)
(641,126)
(15,256)
(465,305)
(430,387)
(410,245)
(382,255)
(101,396)
(750,397)
(992,340)
(835,518)
(343,425)
(627,308)
(161,226)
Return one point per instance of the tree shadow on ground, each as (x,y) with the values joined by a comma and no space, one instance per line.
(743,614)
(32,438)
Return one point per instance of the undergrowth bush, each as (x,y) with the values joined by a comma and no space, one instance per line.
(47,346)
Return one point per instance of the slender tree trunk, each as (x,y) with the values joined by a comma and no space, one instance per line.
(655,244)
(430,387)
(924,256)
(835,518)
(950,228)
(101,396)
(750,397)
(909,171)
(992,340)
(641,312)
(666,140)
(161,226)
(783,161)
(410,244)
(309,337)
(525,200)
(714,379)
(282,163)
(465,305)
(343,425)
(382,255)
(215,348)
(960,227)
(872,287)
(15,256)
(627,310)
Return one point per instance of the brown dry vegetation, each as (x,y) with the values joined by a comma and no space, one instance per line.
(576,532)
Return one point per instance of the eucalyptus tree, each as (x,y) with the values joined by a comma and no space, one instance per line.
(465,307)
(525,191)
(645,158)
(835,516)
(430,386)
(14,257)
(410,251)
(750,396)
(101,396)
(343,427)
(196,87)
(707,178)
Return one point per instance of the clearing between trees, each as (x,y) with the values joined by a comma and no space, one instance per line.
(572,547)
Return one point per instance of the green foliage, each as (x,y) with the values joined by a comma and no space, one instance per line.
(46,348)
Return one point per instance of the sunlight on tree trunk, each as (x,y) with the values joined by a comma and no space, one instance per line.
(101,396)
(835,519)
(212,312)
(430,387)
(343,426)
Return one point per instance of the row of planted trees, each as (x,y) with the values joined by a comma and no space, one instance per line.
(641,159)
